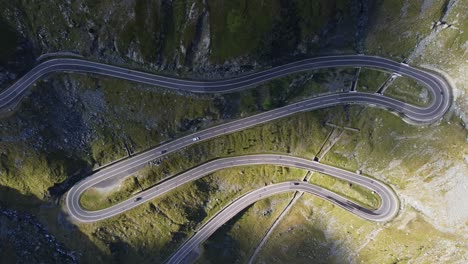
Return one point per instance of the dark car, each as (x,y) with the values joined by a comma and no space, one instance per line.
(163,151)
(296,183)
(138,199)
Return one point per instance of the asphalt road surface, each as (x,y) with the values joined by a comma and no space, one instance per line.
(188,251)
(388,207)
(437,86)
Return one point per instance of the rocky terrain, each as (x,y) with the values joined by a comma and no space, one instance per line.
(71,124)
(24,239)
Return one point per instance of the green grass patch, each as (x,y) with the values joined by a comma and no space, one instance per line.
(388,144)
(409,91)
(409,241)
(298,238)
(237,239)
(165,222)
(317,231)
(237,27)
(274,137)
(95,199)
(396,27)
(371,80)
(353,192)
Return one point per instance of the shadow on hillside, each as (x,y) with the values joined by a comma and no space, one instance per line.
(222,247)
(34,223)
(38,231)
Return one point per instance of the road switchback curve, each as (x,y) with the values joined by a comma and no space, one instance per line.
(438,87)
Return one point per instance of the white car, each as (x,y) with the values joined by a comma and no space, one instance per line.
(195,138)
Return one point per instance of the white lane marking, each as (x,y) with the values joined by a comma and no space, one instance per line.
(229,211)
(245,160)
(123,71)
(138,163)
(247,79)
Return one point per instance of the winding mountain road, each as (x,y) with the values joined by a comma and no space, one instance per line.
(437,86)
(188,250)
(388,207)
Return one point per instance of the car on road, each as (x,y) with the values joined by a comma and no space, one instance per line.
(163,151)
(296,183)
(195,138)
(138,199)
